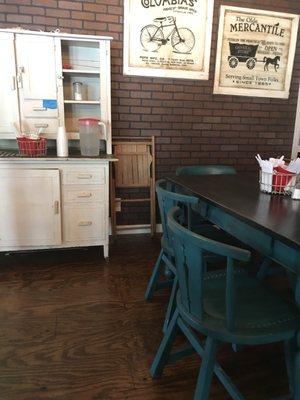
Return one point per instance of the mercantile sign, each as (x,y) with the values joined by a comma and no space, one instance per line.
(255,52)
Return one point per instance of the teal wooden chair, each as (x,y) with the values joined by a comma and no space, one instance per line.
(203,170)
(165,261)
(225,306)
(206,170)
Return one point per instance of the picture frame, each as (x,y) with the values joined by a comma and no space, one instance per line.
(255,52)
(168,39)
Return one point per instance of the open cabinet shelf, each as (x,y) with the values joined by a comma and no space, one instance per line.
(82,102)
(80,72)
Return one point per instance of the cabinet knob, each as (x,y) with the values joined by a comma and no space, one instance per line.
(41,125)
(85,223)
(84,194)
(84,176)
(39,109)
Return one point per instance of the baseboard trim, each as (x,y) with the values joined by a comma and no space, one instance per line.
(136,229)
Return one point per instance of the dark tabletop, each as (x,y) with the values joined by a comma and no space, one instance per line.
(240,196)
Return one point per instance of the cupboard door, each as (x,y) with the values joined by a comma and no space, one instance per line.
(9,112)
(29,208)
(36,67)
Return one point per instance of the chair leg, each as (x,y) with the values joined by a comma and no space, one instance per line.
(206,370)
(154,277)
(296,370)
(264,269)
(171,305)
(164,349)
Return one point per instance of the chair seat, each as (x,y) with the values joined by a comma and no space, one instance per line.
(261,315)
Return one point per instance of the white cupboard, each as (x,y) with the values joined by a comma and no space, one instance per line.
(54,203)
(51,202)
(37,80)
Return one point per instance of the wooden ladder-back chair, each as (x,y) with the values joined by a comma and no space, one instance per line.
(135,168)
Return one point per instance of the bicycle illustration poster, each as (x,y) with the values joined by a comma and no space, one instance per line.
(168,38)
(255,52)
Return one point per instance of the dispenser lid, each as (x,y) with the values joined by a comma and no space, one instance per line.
(88,121)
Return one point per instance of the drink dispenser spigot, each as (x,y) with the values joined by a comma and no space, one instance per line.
(92,138)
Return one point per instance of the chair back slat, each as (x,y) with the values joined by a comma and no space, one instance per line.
(195,279)
(168,199)
(190,250)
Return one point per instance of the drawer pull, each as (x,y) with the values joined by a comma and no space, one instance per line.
(56,207)
(84,194)
(85,223)
(84,176)
(41,125)
(39,109)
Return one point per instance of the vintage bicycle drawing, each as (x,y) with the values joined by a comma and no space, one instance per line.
(246,53)
(153,37)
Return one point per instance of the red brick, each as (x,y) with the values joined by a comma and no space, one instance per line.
(97,8)
(83,15)
(32,10)
(25,19)
(70,5)
(45,20)
(54,12)
(70,23)
(4,8)
(45,3)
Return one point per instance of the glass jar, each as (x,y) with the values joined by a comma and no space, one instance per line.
(77,91)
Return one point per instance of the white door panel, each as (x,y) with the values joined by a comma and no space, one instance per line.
(29,208)
(36,66)
(9,113)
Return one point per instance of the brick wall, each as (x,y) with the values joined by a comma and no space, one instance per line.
(191,124)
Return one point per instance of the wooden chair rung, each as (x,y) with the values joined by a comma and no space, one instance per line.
(134,200)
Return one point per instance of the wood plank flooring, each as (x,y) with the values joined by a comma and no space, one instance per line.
(73,327)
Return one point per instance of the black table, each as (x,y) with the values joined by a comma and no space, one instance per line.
(268,223)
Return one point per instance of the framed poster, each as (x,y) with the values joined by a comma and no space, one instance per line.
(255,52)
(168,38)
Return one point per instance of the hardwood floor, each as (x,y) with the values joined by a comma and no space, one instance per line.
(73,327)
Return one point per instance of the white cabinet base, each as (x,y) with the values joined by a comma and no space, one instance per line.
(67,204)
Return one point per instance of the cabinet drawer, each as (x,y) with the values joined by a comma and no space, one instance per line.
(83,194)
(49,125)
(84,176)
(34,108)
(84,223)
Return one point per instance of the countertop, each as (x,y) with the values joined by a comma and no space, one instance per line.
(74,154)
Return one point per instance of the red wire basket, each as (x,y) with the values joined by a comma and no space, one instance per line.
(32,147)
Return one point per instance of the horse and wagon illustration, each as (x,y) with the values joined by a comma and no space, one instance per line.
(246,53)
